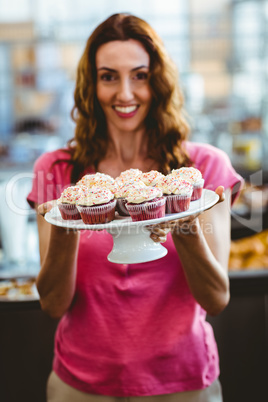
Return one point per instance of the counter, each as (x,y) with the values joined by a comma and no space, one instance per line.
(241,331)
(26,350)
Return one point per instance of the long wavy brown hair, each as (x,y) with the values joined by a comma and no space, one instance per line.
(166,125)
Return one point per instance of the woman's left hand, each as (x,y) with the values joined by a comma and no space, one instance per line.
(185,225)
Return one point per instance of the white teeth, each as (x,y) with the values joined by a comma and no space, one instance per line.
(126,109)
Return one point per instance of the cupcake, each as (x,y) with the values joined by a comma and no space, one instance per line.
(130,175)
(177,192)
(122,191)
(194,176)
(86,180)
(97,179)
(96,205)
(146,203)
(151,178)
(67,203)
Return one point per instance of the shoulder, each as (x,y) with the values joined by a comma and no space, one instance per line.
(48,159)
(215,166)
(201,153)
(50,176)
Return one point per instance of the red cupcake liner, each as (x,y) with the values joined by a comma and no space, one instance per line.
(97,213)
(197,191)
(147,210)
(69,211)
(177,203)
(121,207)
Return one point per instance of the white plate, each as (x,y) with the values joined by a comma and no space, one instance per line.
(132,242)
(208,199)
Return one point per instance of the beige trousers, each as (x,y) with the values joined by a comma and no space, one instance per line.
(58,391)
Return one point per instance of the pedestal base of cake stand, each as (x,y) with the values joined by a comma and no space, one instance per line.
(132,245)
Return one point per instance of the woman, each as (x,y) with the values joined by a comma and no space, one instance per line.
(133,332)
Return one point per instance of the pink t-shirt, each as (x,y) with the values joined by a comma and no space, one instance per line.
(134,330)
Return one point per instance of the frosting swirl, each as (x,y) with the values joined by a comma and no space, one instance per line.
(139,195)
(170,184)
(130,174)
(190,174)
(94,196)
(151,178)
(70,195)
(97,179)
(125,189)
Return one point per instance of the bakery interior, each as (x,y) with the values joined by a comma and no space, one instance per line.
(221,49)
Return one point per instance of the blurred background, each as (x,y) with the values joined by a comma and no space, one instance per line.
(219,47)
(221,50)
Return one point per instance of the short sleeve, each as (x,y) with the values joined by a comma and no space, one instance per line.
(49,178)
(216,168)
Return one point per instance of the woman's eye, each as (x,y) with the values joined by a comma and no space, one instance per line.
(141,76)
(107,77)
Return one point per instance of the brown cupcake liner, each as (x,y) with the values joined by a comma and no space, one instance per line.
(121,206)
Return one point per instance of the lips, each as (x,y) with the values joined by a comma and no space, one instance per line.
(126,111)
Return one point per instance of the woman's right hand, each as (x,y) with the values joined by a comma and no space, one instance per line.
(42,209)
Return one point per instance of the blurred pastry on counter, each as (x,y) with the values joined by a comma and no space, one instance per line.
(249,252)
(18,289)
(5,287)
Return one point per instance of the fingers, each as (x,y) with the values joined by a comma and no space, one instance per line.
(170,225)
(158,239)
(42,209)
(220,191)
(159,235)
(184,225)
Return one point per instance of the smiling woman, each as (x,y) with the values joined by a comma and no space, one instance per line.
(139,330)
(123,89)
(124,55)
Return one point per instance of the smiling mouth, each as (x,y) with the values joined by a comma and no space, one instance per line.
(126,109)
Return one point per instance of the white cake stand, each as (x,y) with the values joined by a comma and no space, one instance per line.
(131,240)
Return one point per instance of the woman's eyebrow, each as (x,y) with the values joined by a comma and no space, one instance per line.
(114,71)
(137,68)
(107,69)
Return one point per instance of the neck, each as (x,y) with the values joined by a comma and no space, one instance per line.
(127,148)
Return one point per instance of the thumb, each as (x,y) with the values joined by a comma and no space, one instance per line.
(42,209)
(220,191)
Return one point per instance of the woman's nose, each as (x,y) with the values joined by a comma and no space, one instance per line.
(125,91)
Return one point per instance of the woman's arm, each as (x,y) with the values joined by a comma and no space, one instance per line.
(56,280)
(204,252)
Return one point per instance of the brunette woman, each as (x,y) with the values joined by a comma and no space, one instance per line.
(133,332)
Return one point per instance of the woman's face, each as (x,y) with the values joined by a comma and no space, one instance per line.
(123,87)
